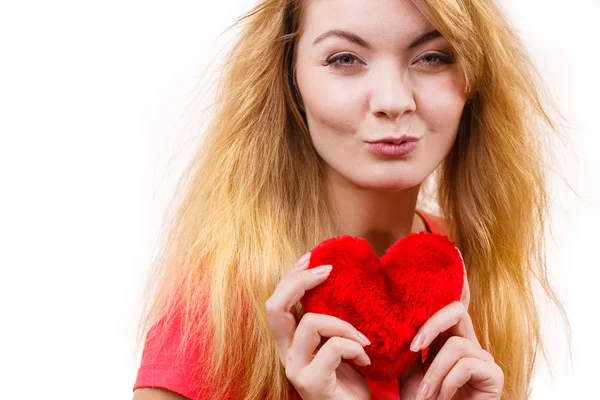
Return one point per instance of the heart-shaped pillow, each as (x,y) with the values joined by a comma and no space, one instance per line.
(386,299)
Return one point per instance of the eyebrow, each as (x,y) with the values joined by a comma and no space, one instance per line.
(363,43)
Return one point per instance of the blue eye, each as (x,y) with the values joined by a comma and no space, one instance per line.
(341,57)
(349,60)
(440,59)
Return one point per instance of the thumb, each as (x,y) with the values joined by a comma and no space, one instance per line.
(465,296)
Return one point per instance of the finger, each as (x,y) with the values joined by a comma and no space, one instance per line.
(331,354)
(453,350)
(300,265)
(486,378)
(465,296)
(453,319)
(312,328)
(288,292)
(460,254)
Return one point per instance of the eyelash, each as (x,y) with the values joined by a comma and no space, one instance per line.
(332,60)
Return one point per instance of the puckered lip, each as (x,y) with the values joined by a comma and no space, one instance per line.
(394,140)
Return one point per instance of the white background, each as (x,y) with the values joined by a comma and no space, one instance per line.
(90,99)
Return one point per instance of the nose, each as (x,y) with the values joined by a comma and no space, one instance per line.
(391,94)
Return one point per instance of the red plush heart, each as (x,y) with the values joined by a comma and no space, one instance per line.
(387,299)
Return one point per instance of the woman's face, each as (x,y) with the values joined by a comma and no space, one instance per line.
(355,92)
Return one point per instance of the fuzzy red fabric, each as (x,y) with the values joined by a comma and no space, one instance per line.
(389,298)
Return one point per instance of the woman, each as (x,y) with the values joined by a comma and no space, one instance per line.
(290,160)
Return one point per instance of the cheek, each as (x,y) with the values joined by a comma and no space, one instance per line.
(440,103)
(331,103)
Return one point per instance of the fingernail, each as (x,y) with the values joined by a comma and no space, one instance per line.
(423,391)
(416,344)
(364,339)
(322,270)
(459,253)
(303,261)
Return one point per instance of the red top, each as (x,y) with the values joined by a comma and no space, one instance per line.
(161,368)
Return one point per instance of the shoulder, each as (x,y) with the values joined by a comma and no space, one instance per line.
(433,222)
(166,365)
(151,393)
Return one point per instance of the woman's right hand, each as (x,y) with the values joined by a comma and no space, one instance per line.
(316,373)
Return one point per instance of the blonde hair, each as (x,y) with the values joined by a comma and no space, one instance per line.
(252,200)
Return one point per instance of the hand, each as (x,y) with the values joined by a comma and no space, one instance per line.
(461,369)
(316,373)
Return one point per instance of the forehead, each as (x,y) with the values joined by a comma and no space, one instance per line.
(393,22)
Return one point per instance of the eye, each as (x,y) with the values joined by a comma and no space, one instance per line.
(434,60)
(349,60)
(346,61)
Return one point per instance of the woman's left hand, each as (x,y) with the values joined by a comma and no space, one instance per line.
(461,369)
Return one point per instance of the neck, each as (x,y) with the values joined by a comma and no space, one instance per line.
(380,217)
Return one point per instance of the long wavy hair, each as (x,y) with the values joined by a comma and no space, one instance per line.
(251,200)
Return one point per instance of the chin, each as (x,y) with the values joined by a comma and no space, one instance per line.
(389,182)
